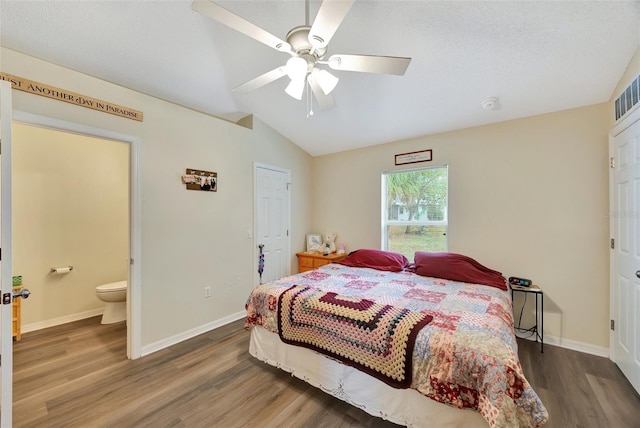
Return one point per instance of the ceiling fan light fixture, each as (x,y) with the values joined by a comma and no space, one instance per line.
(297,68)
(295,88)
(326,80)
(307,46)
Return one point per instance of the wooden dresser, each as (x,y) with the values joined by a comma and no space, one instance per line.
(15,314)
(309,261)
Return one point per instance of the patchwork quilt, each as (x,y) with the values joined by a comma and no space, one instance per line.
(465,357)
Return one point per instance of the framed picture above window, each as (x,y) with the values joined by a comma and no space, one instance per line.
(314,242)
(413,157)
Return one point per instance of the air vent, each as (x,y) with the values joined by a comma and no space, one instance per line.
(628,99)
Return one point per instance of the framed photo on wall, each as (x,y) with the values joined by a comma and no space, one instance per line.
(314,242)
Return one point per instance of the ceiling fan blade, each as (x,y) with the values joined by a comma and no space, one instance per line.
(233,21)
(328,19)
(325,102)
(263,79)
(370,63)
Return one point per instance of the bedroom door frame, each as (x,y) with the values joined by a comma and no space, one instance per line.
(134,292)
(6,269)
(626,359)
(286,258)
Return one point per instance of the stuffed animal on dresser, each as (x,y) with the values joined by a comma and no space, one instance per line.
(329,245)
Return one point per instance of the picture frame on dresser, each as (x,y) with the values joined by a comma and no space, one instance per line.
(314,242)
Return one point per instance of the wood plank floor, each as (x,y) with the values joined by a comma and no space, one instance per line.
(77,375)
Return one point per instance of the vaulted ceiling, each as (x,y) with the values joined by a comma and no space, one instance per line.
(533,56)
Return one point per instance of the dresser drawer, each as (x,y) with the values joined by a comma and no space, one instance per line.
(306,262)
(309,261)
(320,262)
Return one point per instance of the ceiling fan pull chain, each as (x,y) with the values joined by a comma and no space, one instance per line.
(309,101)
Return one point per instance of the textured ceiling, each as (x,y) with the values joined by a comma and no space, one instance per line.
(534,56)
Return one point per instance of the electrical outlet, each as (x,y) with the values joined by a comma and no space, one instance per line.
(207,291)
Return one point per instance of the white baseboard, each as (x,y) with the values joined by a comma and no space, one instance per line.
(169,341)
(587,348)
(60,320)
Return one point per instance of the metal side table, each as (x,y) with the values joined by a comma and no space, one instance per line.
(538,327)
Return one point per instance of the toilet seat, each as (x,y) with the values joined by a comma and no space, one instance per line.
(112,287)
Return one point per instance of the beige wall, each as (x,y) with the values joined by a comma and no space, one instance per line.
(70,207)
(527,197)
(189,239)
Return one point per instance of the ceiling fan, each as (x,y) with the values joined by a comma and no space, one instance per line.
(307,46)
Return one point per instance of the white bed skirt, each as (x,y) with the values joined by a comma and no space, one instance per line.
(401,406)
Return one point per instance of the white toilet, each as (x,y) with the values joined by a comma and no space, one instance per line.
(114,295)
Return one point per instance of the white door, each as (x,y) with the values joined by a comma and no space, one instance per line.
(6,335)
(272,221)
(625,287)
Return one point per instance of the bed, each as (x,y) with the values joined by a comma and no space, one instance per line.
(459,367)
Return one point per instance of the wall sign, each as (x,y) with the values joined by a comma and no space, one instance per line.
(413,157)
(43,90)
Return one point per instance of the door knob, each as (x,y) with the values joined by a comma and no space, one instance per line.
(24,293)
(638,273)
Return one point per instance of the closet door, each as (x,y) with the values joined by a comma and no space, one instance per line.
(625,277)
(272,221)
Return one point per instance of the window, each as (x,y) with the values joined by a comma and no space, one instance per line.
(414,211)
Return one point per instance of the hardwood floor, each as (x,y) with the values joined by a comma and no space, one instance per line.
(77,375)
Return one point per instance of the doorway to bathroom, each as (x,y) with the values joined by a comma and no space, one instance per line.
(75,201)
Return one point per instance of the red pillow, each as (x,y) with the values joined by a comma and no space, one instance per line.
(376,259)
(457,267)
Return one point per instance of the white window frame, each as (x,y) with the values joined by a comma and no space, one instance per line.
(384,244)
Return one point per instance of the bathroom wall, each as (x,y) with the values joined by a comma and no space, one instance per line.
(70,207)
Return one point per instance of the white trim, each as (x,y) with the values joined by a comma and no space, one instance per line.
(417,223)
(574,345)
(170,341)
(134,292)
(414,168)
(626,121)
(613,312)
(61,320)
(6,417)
